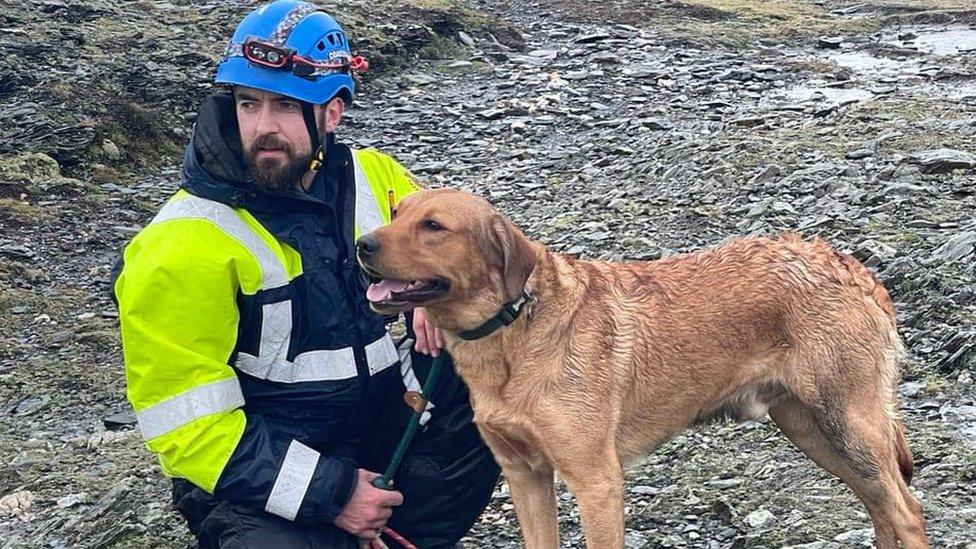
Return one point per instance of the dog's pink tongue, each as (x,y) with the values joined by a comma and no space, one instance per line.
(383,290)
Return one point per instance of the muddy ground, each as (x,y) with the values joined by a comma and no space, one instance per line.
(624,129)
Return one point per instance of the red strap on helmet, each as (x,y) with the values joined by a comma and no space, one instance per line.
(359,64)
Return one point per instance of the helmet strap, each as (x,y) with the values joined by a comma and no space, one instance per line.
(318,160)
(308,112)
(318,148)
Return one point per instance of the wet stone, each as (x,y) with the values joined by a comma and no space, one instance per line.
(956,248)
(760,518)
(119,421)
(858,154)
(856,537)
(31,405)
(830,42)
(465,38)
(937,161)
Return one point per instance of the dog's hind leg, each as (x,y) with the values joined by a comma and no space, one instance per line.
(858,442)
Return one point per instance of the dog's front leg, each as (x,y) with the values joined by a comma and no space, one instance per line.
(532,484)
(598,487)
(534,494)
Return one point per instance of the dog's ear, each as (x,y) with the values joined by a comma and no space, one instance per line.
(512,253)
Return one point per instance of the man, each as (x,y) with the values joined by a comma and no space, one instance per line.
(259,376)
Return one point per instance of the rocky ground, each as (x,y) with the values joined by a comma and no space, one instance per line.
(625,129)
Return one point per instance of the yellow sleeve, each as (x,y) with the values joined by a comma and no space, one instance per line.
(178,316)
(388,179)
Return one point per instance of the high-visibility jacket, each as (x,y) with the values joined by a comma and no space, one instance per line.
(249,346)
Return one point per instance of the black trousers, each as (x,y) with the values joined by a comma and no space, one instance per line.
(447,478)
(221,524)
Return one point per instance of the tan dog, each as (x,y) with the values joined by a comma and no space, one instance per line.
(607,361)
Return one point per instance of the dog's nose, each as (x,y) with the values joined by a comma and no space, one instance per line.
(367,245)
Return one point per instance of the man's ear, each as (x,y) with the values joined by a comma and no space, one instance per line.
(331,114)
(511,253)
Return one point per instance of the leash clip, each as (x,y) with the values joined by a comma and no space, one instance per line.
(415,401)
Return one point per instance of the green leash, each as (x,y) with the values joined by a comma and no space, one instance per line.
(417,402)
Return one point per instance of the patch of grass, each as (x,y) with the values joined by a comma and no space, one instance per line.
(141,135)
(711,211)
(923,4)
(738,22)
(23,213)
(101,174)
(734,23)
(439,47)
(21,272)
(780,146)
(423,28)
(878,226)
(900,239)
(135,541)
(565,221)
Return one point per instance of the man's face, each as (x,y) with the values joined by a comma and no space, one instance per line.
(277,147)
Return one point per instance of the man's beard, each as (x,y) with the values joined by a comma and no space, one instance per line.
(273,175)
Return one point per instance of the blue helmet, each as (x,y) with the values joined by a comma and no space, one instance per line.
(293,49)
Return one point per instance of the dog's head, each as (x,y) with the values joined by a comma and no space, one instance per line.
(450,252)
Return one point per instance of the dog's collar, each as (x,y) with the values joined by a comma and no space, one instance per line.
(510,311)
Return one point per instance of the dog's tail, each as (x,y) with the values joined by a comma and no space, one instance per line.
(906,464)
(871,285)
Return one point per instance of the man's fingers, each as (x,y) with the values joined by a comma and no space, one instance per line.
(432,339)
(439,338)
(368,475)
(419,330)
(392,499)
(383,515)
(389,498)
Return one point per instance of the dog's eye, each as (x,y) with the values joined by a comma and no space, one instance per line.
(432,225)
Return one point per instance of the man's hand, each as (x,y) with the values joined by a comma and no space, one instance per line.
(430,340)
(368,509)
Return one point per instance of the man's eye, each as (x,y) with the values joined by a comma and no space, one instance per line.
(291,106)
(432,225)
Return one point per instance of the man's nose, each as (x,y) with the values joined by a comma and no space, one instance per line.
(367,245)
(267,122)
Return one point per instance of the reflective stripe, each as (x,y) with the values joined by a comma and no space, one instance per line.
(292,482)
(271,362)
(290,21)
(275,337)
(381,354)
(192,207)
(368,214)
(410,380)
(177,411)
(321,365)
(326,364)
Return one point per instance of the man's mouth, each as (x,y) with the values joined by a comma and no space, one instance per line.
(400,293)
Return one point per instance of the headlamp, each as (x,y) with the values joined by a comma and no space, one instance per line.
(273,56)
